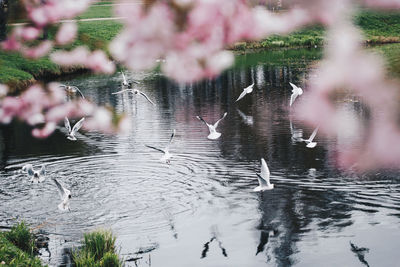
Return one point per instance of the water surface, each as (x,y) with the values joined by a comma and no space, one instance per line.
(201,209)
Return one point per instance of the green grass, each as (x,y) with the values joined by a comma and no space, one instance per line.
(17,247)
(98,250)
(96,11)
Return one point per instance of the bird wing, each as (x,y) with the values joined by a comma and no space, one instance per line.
(145,96)
(80,92)
(265,171)
(314,133)
(170,140)
(295,88)
(67,125)
(42,171)
(293,97)
(120,92)
(60,188)
(216,124)
(261,180)
(29,170)
(158,149)
(77,126)
(241,95)
(124,79)
(201,119)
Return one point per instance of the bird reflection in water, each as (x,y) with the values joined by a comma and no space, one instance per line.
(207,245)
(360,253)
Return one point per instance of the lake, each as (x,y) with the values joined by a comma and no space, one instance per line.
(201,210)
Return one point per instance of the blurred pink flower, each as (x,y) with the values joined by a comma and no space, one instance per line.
(30,33)
(39,51)
(44,132)
(77,56)
(66,33)
(99,62)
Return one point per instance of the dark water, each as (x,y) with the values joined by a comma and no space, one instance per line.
(201,210)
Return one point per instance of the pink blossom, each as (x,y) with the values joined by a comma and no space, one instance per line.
(30,33)
(45,131)
(66,33)
(11,44)
(3,90)
(39,51)
(99,62)
(78,56)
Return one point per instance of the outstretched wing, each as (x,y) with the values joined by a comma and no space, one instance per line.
(145,96)
(216,124)
(294,87)
(124,78)
(77,126)
(241,95)
(264,171)
(79,91)
(60,188)
(201,119)
(29,169)
(261,180)
(120,92)
(293,98)
(158,149)
(314,133)
(67,125)
(42,171)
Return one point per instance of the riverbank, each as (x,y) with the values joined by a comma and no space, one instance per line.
(18,72)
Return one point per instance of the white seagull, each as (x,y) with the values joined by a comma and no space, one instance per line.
(309,141)
(65,195)
(246,90)
(135,91)
(167,156)
(74,130)
(296,91)
(72,89)
(263,178)
(36,176)
(213,128)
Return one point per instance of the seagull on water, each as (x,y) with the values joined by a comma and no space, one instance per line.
(309,141)
(36,176)
(72,90)
(263,178)
(167,156)
(74,130)
(65,195)
(246,90)
(296,91)
(125,82)
(135,91)
(213,128)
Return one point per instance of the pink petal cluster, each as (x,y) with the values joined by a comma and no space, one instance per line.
(96,61)
(44,108)
(66,33)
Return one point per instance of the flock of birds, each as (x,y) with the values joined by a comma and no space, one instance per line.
(263,177)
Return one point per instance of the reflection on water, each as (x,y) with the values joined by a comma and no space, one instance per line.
(200,209)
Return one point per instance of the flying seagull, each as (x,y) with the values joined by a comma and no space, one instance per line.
(246,90)
(135,91)
(309,141)
(263,178)
(213,128)
(36,176)
(65,195)
(74,130)
(296,91)
(167,156)
(72,89)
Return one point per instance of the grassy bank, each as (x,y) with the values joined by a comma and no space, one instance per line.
(98,250)
(17,247)
(377,27)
